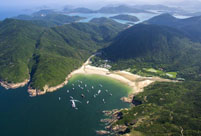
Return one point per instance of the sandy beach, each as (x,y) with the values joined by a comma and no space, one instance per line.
(136,82)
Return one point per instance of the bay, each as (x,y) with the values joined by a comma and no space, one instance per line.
(52,113)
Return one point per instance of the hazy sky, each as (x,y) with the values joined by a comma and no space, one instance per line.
(90,3)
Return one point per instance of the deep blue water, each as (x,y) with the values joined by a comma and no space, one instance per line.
(21,115)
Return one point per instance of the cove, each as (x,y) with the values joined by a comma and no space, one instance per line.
(49,115)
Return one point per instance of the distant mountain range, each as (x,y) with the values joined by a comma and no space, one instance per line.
(125,9)
(49,18)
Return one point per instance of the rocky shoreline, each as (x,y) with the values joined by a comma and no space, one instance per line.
(34,92)
(7,85)
(111,128)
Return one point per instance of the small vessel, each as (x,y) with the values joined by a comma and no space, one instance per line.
(73,88)
(99,91)
(94,95)
(110,94)
(92,87)
(106,90)
(87,102)
(59,98)
(73,101)
(67,91)
(103,100)
(100,85)
(88,91)
(82,95)
(85,85)
(72,84)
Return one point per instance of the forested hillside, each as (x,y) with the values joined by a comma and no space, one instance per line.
(48,55)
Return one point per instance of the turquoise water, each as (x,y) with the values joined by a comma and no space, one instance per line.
(21,115)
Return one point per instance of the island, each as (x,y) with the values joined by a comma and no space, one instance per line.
(126,18)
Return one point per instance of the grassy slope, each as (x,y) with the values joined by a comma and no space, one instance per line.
(167,108)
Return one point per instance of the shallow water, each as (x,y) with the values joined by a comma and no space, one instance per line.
(47,115)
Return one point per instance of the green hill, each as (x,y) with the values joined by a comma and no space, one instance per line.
(190,26)
(17,44)
(166,109)
(145,46)
(126,17)
(48,55)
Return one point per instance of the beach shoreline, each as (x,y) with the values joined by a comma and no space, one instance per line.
(135,82)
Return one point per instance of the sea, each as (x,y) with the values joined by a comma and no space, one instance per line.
(142,16)
(9,13)
(52,114)
(12,12)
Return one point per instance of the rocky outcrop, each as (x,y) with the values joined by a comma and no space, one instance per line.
(13,85)
(113,117)
(102,132)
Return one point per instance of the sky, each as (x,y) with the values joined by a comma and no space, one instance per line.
(91,3)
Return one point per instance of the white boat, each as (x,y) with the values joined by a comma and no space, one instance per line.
(103,100)
(73,102)
(87,102)
(99,91)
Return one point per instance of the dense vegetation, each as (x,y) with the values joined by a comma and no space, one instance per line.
(191,27)
(17,44)
(48,55)
(126,17)
(167,109)
(153,46)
